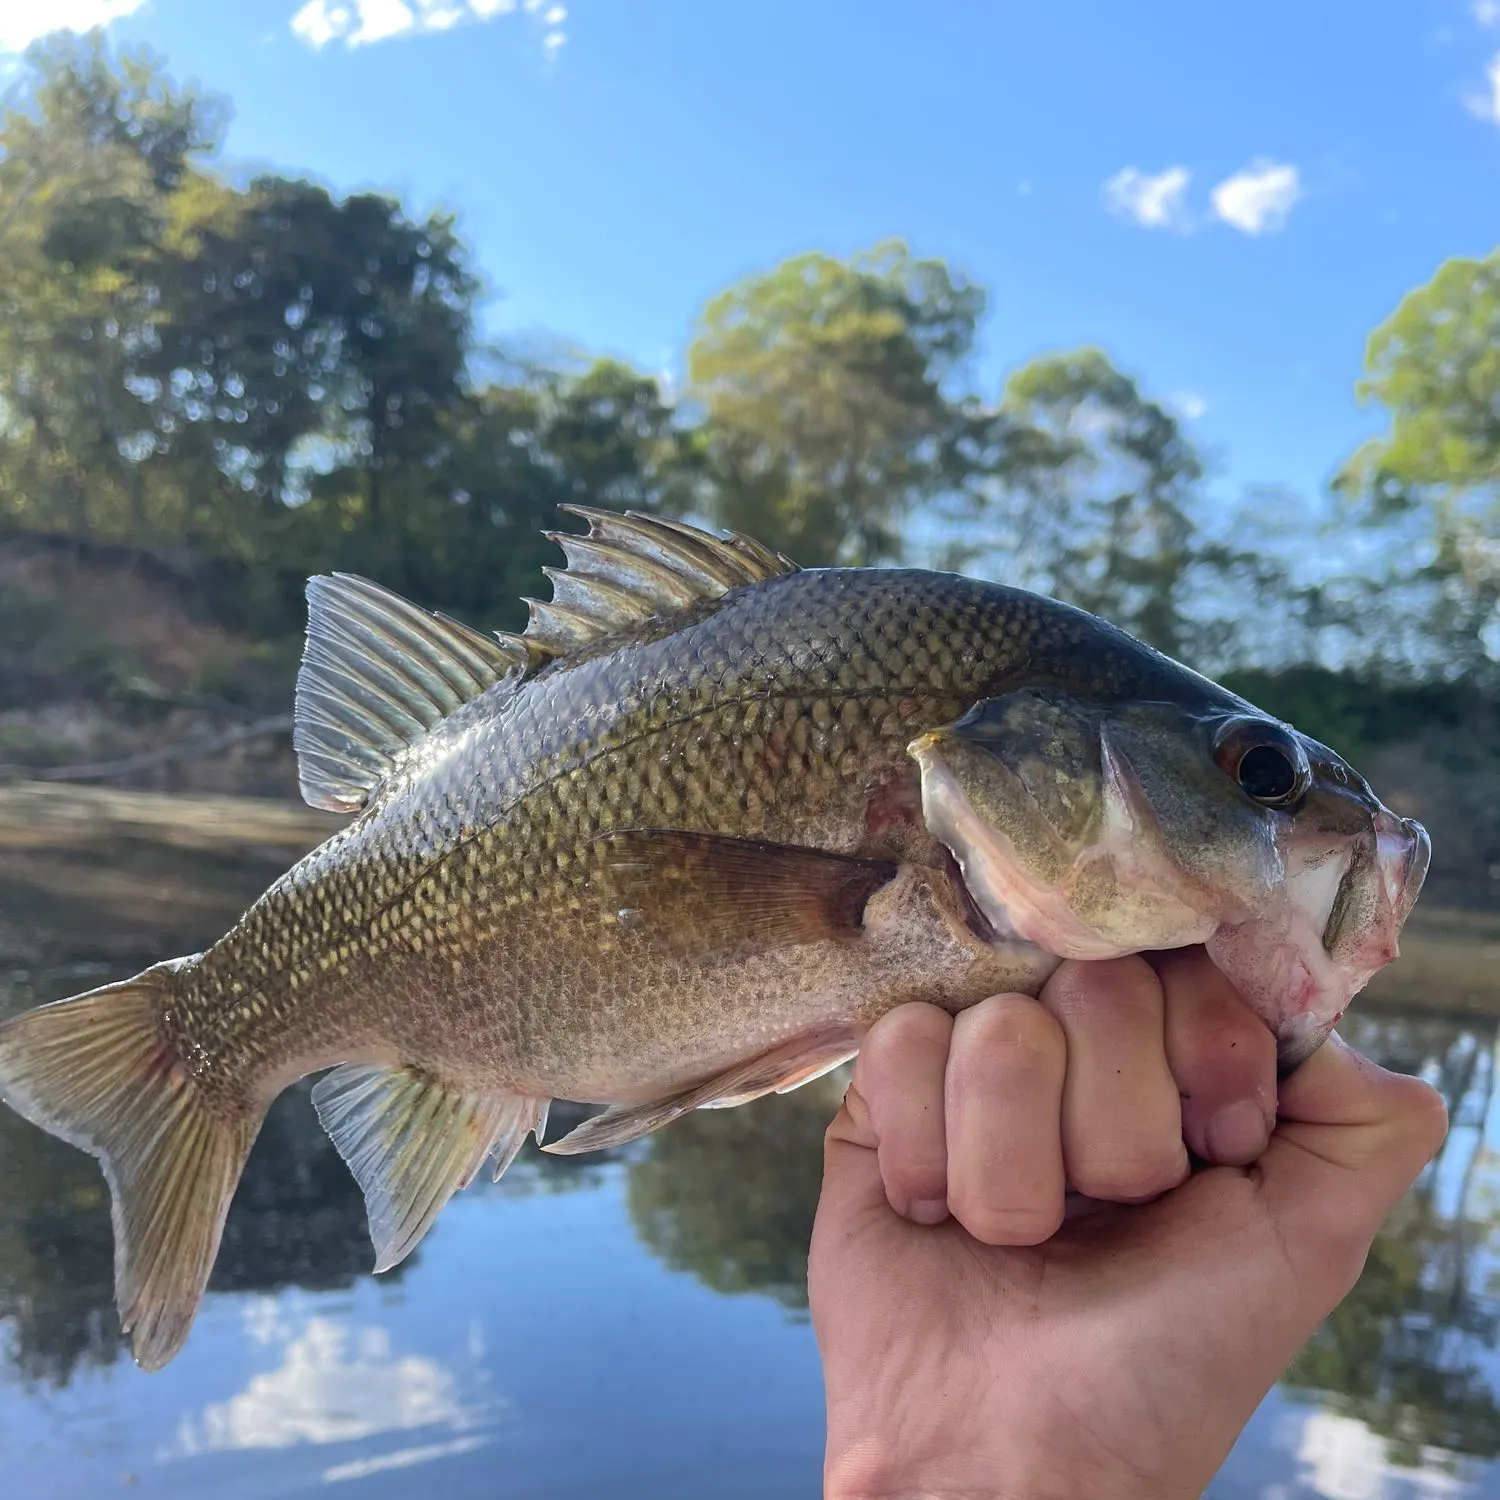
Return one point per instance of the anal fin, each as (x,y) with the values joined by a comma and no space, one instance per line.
(413,1141)
(779,1071)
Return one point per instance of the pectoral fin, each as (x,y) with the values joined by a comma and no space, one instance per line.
(699,893)
(779,1071)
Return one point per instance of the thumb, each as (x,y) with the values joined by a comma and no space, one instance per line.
(1350,1139)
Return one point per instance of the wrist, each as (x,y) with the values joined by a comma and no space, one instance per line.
(869,1470)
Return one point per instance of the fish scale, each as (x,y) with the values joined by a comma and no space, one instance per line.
(676,846)
(664,695)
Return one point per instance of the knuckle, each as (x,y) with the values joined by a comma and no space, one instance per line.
(908,1034)
(1014,1032)
(1228,1039)
(913,1174)
(915,1021)
(1119,985)
(1429,1124)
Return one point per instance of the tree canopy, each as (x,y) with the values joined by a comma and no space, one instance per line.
(270,379)
(1434,476)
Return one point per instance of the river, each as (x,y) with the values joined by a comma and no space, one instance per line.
(630,1324)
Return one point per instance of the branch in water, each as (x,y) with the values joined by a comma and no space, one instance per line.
(105,770)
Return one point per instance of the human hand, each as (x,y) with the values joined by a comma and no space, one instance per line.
(1029,1347)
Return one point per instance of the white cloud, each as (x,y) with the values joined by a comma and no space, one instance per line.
(1189,405)
(1342,1457)
(1486,12)
(1153,201)
(319,23)
(358,23)
(335,1384)
(1486,106)
(1258,199)
(23,21)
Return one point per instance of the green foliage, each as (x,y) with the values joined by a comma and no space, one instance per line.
(824,423)
(1091,495)
(269,381)
(248,383)
(1434,477)
(1356,715)
(730,1195)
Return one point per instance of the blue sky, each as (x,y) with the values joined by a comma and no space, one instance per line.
(1226,198)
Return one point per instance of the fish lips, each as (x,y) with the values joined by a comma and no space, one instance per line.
(1386,874)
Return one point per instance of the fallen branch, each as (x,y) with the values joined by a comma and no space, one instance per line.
(105,770)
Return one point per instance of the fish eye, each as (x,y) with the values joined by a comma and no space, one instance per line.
(1266,762)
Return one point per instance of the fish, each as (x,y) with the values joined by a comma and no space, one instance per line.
(678,845)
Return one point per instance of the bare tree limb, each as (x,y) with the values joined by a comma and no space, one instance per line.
(106,770)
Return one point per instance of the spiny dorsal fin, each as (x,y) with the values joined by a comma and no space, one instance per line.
(630,567)
(377,674)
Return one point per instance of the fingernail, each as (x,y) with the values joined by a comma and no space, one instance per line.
(1237,1134)
(928,1211)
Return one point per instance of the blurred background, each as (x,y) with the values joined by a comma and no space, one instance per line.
(1191,319)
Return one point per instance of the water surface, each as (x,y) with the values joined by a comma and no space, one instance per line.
(629,1324)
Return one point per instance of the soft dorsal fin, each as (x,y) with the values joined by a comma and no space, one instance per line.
(377,673)
(630,567)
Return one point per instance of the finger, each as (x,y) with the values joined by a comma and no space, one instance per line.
(900,1076)
(1352,1139)
(885,1146)
(1006,1065)
(1222,1056)
(1121,1116)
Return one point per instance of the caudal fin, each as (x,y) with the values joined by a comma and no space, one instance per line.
(98,1071)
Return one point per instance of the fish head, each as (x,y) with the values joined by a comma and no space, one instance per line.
(1096,829)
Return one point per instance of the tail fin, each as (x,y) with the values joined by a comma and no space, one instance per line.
(98,1071)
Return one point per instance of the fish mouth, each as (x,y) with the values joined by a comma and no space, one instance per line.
(1300,963)
(1404,855)
(1297,953)
(975,920)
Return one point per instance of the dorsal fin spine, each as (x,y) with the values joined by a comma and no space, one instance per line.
(631,566)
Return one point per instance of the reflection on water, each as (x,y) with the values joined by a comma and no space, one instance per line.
(579,1329)
(336,1383)
(297,1220)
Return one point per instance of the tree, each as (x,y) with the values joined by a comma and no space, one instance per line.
(273,376)
(820,387)
(1434,477)
(89,156)
(612,436)
(730,1194)
(1087,494)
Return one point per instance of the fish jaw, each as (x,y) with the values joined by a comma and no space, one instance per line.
(1329,921)
(1300,964)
